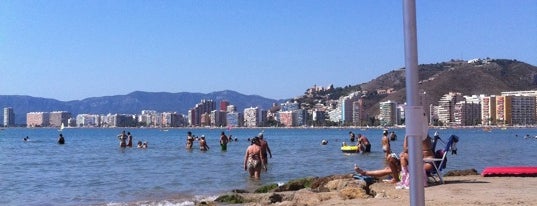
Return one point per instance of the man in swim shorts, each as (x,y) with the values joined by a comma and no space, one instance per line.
(362,140)
(223,141)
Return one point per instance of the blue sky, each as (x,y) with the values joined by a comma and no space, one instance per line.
(71,50)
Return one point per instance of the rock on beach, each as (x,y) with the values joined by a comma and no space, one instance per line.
(463,187)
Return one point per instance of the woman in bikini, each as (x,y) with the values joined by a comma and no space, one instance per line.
(253,159)
(427,152)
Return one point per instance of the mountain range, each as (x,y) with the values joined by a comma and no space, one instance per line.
(486,76)
(132,103)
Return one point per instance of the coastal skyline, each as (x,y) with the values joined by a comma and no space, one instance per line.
(71,50)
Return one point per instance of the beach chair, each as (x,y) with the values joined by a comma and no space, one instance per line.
(440,160)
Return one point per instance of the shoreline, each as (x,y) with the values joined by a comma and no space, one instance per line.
(457,190)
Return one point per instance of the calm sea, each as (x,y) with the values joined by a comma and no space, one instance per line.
(91,169)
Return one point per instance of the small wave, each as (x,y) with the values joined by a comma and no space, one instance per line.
(169,202)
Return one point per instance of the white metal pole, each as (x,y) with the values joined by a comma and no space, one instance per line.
(417,196)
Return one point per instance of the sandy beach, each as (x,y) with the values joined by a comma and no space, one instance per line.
(457,190)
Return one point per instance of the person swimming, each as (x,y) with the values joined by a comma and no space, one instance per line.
(61,140)
(324,142)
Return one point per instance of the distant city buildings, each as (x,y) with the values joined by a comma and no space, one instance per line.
(9,117)
(37,119)
(510,108)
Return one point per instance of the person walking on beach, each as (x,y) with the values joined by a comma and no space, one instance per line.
(129,139)
(264,148)
(122,139)
(223,141)
(61,140)
(203,144)
(189,140)
(253,159)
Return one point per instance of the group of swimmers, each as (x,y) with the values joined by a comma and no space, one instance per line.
(224,140)
(61,139)
(363,143)
(125,140)
(255,158)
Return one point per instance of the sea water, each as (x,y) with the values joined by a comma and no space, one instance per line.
(91,168)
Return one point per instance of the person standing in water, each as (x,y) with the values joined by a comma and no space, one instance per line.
(264,148)
(203,144)
(352,137)
(61,140)
(129,139)
(253,159)
(223,141)
(189,140)
(122,139)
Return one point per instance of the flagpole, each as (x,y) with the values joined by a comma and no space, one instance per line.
(413,115)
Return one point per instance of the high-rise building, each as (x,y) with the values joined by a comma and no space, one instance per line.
(488,110)
(446,107)
(57,118)
(9,117)
(203,108)
(37,119)
(358,112)
(467,113)
(346,104)
(523,110)
(223,105)
(88,120)
(234,119)
(503,110)
(388,113)
(218,118)
(286,118)
(252,117)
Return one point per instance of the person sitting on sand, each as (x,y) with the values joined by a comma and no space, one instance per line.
(427,153)
(393,169)
(397,165)
(253,159)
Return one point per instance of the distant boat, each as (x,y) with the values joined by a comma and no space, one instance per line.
(61,127)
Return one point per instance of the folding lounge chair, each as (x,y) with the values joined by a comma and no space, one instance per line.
(440,160)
